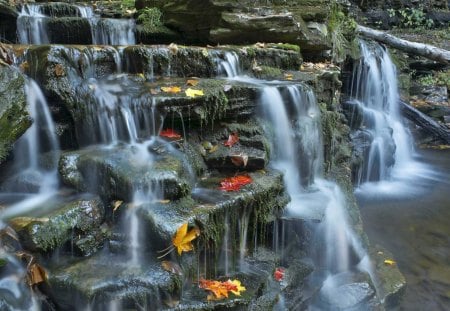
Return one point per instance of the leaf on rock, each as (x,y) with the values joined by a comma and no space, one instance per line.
(192,82)
(213,149)
(235,287)
(24,66)
(36,274)
(173,48)
(116,204)
(171,89)
(141,75)
(205,52)
(389,262)
(59,70)
(233,138)
(154,91)
(288,76)
(171,267)
(240,159)
(183,239)
(235,183)
(278,275)
(193,93)
(220,290)
(169,133)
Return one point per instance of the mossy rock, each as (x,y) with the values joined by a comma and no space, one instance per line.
(14,117)
(50,231)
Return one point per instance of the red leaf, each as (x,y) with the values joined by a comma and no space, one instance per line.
(235,183)
(232,139)
(169,133)
(278,274)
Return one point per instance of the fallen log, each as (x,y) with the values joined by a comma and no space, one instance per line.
(425,122)
(421,49)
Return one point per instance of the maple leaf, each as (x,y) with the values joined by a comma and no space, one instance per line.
(193,93)
(171,89)
(169,133)
(183,239)
(235,183)
(235,287)
(192,82)
(278,275)
(233,138)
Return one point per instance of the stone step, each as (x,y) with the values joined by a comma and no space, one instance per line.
(122,171)
(46,231)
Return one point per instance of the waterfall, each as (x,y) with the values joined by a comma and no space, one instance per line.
(33,176)
(32,24)
(229,65)
(374,90)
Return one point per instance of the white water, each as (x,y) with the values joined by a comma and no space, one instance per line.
(32,27)
(374,89)
(36,181)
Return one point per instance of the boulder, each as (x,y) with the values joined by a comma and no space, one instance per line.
(14,117)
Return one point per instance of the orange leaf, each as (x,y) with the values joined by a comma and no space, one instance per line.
(278,274)
(169,133)
(235,183)
(171,89)
(183,239)
(36,274)
(221,290)
(232,139)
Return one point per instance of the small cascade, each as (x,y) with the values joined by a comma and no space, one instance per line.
(374,96)
(33,23)
(295,132)
(229,65)
(34,172)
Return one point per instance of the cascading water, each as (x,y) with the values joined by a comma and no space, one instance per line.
(374,92)
(32,26)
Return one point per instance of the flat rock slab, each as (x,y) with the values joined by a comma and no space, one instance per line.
(119,172)
(104,280)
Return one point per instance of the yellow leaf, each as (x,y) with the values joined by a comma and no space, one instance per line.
(171,89)
(193,93)
(213,149)
(183,239)
(116,205)
(141,75)
(288,76)
(389,262)
(192,82)
(238,288)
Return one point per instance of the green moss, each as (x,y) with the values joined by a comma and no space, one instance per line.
(150,18)
(266,72)
(286,47)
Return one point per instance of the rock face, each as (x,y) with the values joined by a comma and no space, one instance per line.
(8,26)
(242,22)
(14,117)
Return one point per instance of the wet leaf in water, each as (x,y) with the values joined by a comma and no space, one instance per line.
(233,138)
(169,133)
(239,159)
(194,93)
(192,82)
(171,267)
(183,238)
(171,89)
(278,275)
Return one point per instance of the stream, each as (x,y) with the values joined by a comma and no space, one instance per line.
(414,226)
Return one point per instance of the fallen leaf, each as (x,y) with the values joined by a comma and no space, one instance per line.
(288,76)
(192,82)
(205,52)
(141,75)
(59,70)
(154,91)
(183,239)
(220,290)
(169,133)
(193,93)
(278,275)
(260,45)
(171,89)
(239,159)
(173,48)
(163,201)
(235,183)
(233,138)
(213,149)
(36,274)
(389,262)
(227,87)
(116,204)
(235,287)
(171,267)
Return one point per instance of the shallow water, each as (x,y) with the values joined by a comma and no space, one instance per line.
(414,225)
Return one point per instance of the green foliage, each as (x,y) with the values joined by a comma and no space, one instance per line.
(150,18)
(341,29)
(127,4)
(412,18)
(441,78)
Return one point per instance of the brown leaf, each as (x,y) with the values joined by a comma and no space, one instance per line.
(36,274)
(239,159)
(116,204)
(192,82)
(173,48)
(171,267)
(59,70)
